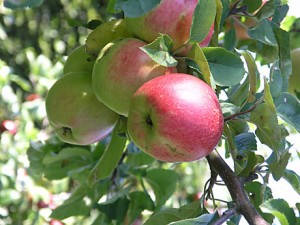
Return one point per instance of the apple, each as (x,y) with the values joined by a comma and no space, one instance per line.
(121,68)
(79,60)
(175,118)
(10,126)
(171,17)
(294,79)
(74,111)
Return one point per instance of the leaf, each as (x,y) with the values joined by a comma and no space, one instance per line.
(268,131)
(253,75)
(247,163)
(288,108)
(266,11)
(202,22)
(159,50)
(293,178)
(205,219)
(163,183)
(110,158)
(285,64)
(278,168)
(245,141)
(167,216)
(25,4)
(74,205)
(135,8)
(104,34)
(116,209)
(258,193)
(217,23)
(139,201)
(263,32)
(276,83)
(67,154)
(196,54)
(280,209)
(227,69)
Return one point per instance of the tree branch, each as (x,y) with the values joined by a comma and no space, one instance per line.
(225,216)
(236,190)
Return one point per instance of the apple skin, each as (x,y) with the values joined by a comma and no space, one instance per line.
(10,126)
(121,68)
(175,118)
(78,60)
(294,79)
(75,113)
(171,17)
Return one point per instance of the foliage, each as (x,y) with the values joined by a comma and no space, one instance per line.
(112,181)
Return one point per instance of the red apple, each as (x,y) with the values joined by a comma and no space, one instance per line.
(175,118)
(171,17)
(55,222)
(121,68)
(9,126)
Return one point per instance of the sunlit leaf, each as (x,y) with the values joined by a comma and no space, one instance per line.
(159,50)
(280,209)
(293,178)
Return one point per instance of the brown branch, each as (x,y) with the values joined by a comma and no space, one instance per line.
(225,216)
(236,190)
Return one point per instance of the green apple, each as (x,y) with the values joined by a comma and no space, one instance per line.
(79,60)
(175,118)
(121,68)
(294,80)
(74,111)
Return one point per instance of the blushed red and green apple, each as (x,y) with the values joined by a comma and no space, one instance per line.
(175,118)
(121,68)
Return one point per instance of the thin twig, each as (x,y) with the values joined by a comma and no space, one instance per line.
(225,216)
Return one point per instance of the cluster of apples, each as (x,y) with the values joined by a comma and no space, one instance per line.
(174,117)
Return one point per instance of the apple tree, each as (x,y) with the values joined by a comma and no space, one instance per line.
(166,101)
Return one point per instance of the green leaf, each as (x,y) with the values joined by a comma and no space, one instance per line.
(202,21)
(74,205)
(263,32)
(139,201)
(266,11)
(115,209)
(135,8)
(163,183)
(217,23)
(67,154)
(280,209)
(196,54)
(205,219)
(230,39)
(23,4)
(159,50)
(110,158)
(253,75)
(226,67)
(245,141)
(276,83)
(278,168)
(293,178)
(167,216)
(258,193)
(268,131)
(285,64)
(288,108)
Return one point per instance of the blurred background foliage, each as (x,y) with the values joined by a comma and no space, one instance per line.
(34,43)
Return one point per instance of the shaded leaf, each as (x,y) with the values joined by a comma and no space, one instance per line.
(135,8)
(263,32)
(170,215)
(245,141)
(288,108)
(110,158)
(24,4)
(226,67)
(163,183)
(293,178)
(202,22)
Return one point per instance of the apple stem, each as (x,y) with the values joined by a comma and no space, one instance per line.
(236,189)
